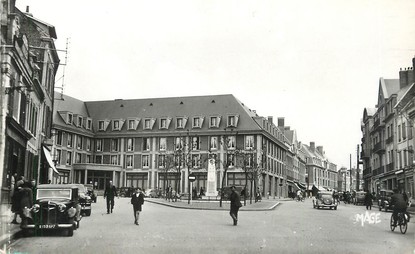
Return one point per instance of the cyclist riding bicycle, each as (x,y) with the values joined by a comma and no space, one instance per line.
(399,205)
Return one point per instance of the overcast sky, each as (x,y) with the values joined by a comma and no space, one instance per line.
(316,63)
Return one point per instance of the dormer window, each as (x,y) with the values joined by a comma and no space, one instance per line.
(101,125)
(181,122)
(163,123)
(88,124)
(214,122)
(116,125)
(70,118)
(232,121)
(80,121)
(197,122)
(131,124)
(149,123)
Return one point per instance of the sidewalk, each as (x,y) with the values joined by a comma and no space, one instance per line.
(7,230)
(263,205)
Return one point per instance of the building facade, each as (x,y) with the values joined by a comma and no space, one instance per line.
(387,142)
(159,142)
(29,63)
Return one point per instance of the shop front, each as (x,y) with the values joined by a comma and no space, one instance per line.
(98,175)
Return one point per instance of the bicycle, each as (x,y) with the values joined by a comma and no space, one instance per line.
(402,222)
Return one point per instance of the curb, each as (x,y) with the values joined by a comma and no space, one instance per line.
(212,208)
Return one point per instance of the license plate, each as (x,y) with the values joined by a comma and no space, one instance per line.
(47,226)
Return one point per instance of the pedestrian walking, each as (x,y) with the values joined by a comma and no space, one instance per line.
(137,200)
(16,198)
(368,200)
(109,193)
(235,205)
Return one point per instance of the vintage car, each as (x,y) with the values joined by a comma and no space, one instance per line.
(56,207)
(125,191)
(84,200)
(359,197)
(90,192)
(151,193)
(324,199)
(385,200)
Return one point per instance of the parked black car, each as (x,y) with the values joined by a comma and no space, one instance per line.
(90,192)
(359,197)
(56,208)
(125,191)
(84,200)
(384,201)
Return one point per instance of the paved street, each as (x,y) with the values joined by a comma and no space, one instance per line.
(292,227)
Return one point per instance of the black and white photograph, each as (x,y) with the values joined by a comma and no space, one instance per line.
(191,126)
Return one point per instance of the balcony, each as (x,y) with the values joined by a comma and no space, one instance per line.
(378,171)
(389,140)
(379,147)
(367,172)
(365,153)
(390,167)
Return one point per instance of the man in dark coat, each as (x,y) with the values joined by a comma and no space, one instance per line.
(398,203)
(235,205)
(109,193)
(368,200)
(137,200)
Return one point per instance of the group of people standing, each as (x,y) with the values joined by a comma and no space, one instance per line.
(22,196)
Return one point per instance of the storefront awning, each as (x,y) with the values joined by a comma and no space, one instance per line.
(299,186)
(319,188)
(49,160)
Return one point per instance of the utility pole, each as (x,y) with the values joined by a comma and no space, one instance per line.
(351,183)
(357,170)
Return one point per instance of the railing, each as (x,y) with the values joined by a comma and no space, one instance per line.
(390,167)
(380,146)
(389,140)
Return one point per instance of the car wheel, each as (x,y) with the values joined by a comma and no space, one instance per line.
(335,208)
(27,232)
(88,213)
(70,231)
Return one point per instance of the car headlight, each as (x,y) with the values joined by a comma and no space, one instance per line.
(36,208)
(71,212)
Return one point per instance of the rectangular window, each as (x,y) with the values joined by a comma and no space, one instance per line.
(162,161)
(98,159)
(88,144)
(231,142)
(249,142)
(231,121)
(231,160)
(213,143)
(70,118)
(69,143)
(101,125)
(403,131)
(248,160)
(99,145)
(59,138)
(130,145)
(129,161)
(80,121)
(79,142)
(147,124)
(89,124)
(78,158)
(163,145)
(69,158)
(399,133)
(115,125)
(195,143)
(196,160)
(196,122)
(114,159)
(163,123)
(213,121)
(88,158)
(179,123)
(178,144)
(114,145)
(58,157)
(131,124)
(146,144)
(146,161)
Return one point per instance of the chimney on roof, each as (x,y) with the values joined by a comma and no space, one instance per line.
(28,12)
(411,78)
(280,121)
(313,146)
(320,150)
(270,119)
(403,78)
(287,128)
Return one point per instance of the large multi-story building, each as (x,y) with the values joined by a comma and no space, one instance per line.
(29,63)
(153,143)
(387,142)
(132,141)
